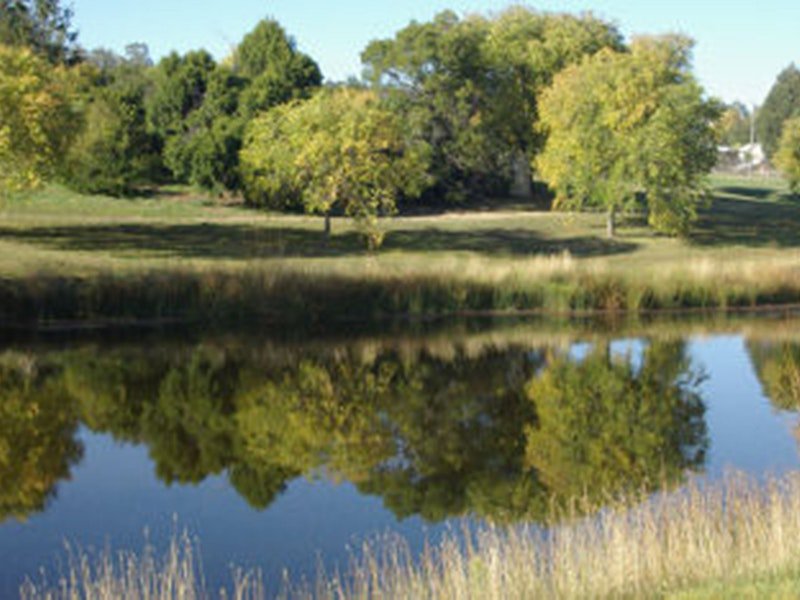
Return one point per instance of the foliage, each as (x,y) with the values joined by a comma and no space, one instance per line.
(782,103)
(469,87)
(275,70)
(200,110)
(340,149)
(777,366)
(38,445)
(43,26)
(114,152)
(179,87)
(624,123)
(267,416)
(636,426)
(36,120)
(787,158)
(734,125)
(204,151)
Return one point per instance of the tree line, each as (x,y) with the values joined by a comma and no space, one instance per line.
(445,110)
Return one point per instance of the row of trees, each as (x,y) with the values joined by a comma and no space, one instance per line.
(487,100)
(446,110)
(119,122)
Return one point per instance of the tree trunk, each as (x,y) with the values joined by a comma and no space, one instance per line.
(521,186)
(611,223)
(327,227)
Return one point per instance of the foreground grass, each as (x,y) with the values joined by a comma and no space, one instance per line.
(736,538)
(176,255)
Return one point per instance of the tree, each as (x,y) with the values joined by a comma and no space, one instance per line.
(44,26)
(114,152)
(340,149)
(204,150)
(735,125)
(35,118)
(275,70)
(201,112)
(179,88)
(525,50)
(624,123)
(469,88)
(782,103)
(787,158)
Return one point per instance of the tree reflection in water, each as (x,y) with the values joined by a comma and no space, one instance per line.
(496,433)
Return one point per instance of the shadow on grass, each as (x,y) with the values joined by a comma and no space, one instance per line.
(242,241)
(755,193)
(749,222)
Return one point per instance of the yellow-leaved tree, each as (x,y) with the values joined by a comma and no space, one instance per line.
(341,149)
(35,118)
(625,124)
(787,158)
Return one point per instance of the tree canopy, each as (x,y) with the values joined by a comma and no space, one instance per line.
(36,118)
(200,109)
(735,125)
(624,123)
(44,26)
(340,149)
(113,151)
(782,103)
(468,87)
(787,158)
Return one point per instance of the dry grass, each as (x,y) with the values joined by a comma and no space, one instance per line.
(707,540)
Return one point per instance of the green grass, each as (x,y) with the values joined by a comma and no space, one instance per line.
(179,254)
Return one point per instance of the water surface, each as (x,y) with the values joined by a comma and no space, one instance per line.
(280,452)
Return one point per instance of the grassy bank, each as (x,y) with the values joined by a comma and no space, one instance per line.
(175,255)
(737,537)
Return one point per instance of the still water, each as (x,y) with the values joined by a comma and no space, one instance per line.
(279,452)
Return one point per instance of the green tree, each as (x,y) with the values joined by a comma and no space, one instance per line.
(469,88)
(44,26)
(624,123)
(275,70)
(203,123)
(340,149)
(782,103)
(735,125)
(179,88)
(525,50)
(787,158)
(36,119)
(114,152)
(205,149)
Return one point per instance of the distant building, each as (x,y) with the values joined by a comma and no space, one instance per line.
(749,158)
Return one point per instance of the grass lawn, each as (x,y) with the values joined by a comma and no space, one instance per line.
(746,243)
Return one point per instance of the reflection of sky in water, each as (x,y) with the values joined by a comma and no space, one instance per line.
(114,495)
(746,431)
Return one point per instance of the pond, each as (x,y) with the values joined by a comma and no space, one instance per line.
(278,452)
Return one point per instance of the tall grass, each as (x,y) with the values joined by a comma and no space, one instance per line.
(302,294)
(718,535)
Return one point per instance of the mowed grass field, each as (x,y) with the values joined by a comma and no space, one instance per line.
(497,255)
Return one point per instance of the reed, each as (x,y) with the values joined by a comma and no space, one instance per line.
(738,535)
(296,295)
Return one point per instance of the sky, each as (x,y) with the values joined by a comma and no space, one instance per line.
(741,46)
